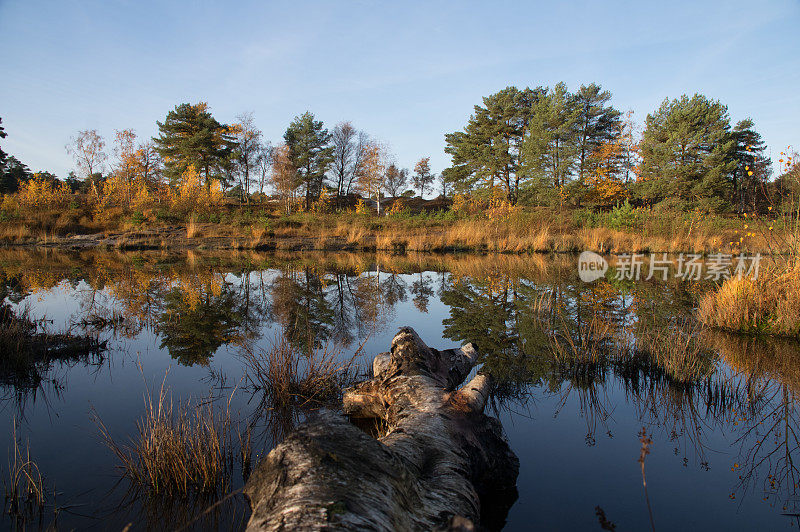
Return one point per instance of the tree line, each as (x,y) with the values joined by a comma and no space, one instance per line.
(541,146)
(549,145)
(192,146)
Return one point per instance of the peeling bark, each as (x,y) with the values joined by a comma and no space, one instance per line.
(438,462)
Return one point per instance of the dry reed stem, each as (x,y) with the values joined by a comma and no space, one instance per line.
(25,491)
(179,450)
(768,304)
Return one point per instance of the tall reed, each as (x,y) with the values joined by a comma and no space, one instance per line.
(292,382)
(24,489)
(291,377)
(180,449)
(768,304)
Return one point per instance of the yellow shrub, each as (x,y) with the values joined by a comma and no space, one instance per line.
(499,206)
(9,203)
(142,199)
(192,194)
(361,207)
(398,207)
(38,192)
(322,203)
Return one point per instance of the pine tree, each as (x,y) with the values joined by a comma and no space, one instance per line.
(597,125)
(487,152)
(190,136)
(12,174)
(753,168)
(551,148)
(310,152)
(688,154)
(3,135)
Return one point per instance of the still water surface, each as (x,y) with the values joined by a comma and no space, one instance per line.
(577,385)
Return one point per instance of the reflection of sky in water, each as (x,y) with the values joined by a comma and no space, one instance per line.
(572,459)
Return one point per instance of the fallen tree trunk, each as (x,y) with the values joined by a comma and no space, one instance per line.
(425,457)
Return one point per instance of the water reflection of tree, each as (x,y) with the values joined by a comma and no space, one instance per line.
(31,353)
(767,371)
(513,308)
(423,290)
(607,334)
(576,338)
(299,305)
(344,322)
(619,337)
(199,317)
(495,315)
(316,307)
(196,308)
(367,299)
(361,303)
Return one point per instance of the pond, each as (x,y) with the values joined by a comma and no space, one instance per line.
(586,373)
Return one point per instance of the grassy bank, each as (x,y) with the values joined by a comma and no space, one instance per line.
(507,230)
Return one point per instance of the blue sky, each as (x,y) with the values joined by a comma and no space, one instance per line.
(406,72)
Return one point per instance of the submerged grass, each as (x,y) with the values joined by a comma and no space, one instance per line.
(16,334)
(583,348)
(678,350)
(187,451)
(292,382)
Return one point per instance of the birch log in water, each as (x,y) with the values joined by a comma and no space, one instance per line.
(425,457)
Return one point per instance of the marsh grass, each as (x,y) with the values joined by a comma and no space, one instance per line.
(768,304)
(678,350)
(192,227)
(291,382)
(528,229)
(24,489)
(17,333)
(580,348)
(185,450)
(573,342)
(180,449)
(26,352)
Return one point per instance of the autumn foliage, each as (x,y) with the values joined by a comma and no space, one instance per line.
(42,193)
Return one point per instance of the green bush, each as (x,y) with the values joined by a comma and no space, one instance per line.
(586,218)
(623,216)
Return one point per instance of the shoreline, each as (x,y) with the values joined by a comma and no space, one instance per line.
(439,239)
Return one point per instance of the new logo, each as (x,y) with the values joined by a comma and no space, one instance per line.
(591,266)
